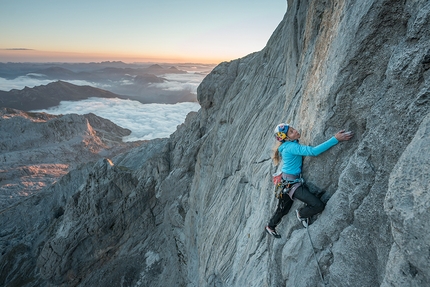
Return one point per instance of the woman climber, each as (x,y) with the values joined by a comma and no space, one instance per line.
(291,153)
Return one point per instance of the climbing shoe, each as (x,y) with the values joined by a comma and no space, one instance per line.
(303,220)
(272,231)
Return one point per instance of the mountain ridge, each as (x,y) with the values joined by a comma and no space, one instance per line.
(50,95)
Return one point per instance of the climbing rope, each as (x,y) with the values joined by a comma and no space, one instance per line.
(315,256)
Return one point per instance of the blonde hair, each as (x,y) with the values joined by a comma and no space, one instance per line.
(275,156)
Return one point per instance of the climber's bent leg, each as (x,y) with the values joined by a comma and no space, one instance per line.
(314,204)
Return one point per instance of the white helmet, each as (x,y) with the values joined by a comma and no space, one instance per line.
(281,131)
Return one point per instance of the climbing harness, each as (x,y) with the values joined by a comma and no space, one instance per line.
(286,186)
(315,256)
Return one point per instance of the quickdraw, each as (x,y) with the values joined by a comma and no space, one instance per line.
(280,191)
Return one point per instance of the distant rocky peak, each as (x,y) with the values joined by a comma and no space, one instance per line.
(155,67)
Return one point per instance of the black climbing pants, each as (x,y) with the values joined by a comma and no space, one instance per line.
(313,205)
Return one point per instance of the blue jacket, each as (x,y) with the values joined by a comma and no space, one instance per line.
(292,154)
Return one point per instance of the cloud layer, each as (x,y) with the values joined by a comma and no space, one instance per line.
(32,80)
(146,121)
(100,78)
(179,82)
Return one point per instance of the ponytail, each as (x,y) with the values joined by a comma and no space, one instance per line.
(276,156)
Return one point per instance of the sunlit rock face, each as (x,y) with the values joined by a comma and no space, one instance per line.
(37,148)
(190,210)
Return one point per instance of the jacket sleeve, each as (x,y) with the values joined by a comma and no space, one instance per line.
(303,150)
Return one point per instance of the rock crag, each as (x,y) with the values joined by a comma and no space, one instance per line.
(37,148)
(190,210)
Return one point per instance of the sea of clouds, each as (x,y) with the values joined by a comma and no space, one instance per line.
(176,82)
(146,121)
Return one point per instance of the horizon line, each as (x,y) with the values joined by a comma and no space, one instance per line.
(107,61)
(26,55)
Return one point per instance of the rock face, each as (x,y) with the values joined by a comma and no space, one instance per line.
(190,210)
(38,148)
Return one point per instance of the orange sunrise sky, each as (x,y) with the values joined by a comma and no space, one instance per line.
(135,30)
